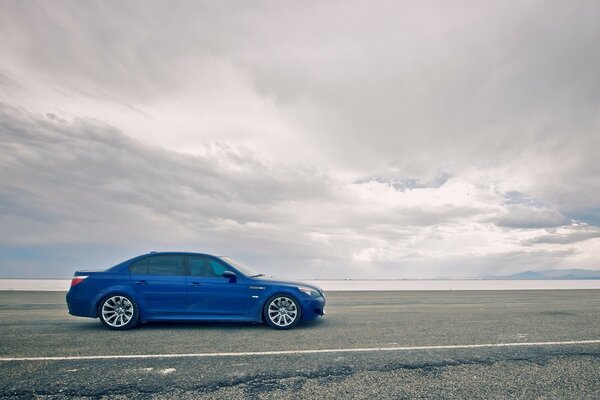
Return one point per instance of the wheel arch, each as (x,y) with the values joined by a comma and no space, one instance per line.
(116,292)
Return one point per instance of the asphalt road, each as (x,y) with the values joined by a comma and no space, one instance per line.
(36,324)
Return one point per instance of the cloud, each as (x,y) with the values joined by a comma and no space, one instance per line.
(403,184)
(332,139)
(54,170)
(566,235)
(520,216)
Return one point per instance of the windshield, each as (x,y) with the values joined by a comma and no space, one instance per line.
(240,267)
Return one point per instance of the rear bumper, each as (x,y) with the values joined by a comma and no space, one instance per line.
(80,306)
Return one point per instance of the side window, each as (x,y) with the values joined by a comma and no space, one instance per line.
(166,265)
(139,267)
(218,267)
(206,267)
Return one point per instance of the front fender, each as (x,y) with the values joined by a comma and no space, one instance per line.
(257,313)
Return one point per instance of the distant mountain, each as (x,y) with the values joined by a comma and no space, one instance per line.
(572,273)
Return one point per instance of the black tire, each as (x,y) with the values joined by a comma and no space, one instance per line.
(282,311)
(118,312)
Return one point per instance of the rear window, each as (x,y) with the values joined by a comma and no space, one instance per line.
(158,265)
(166,265)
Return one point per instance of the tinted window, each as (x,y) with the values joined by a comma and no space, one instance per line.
(166,265)
(206,267)
(139,267)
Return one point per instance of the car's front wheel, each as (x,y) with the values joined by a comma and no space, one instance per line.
(118,312)
(282,312)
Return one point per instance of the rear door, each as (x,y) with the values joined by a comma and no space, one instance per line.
(210,295)
(160,282)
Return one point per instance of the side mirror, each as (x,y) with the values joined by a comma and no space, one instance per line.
(230,275)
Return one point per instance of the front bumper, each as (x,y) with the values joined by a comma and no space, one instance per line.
(312,308)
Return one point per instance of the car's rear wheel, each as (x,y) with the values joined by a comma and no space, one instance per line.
(118,312)
(282,312)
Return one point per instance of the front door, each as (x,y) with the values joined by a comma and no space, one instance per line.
(210,295)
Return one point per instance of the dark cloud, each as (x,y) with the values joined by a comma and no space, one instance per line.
(576,234)
(530,217)
(44,158)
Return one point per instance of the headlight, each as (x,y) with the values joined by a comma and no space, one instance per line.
(309,291)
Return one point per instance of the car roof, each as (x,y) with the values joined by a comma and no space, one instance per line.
(153,253)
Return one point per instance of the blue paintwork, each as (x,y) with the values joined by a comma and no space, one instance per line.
(186,297)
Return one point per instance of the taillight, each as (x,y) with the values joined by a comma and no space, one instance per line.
(77,280)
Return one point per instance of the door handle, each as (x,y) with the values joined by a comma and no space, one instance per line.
(195,284)
(141,282)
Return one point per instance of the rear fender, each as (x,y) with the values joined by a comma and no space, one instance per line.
(116,290)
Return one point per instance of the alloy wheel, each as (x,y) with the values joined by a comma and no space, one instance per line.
(282,311)
(117,311)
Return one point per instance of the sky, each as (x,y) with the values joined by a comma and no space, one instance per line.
(338,139)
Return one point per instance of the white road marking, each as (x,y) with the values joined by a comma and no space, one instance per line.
(309,351)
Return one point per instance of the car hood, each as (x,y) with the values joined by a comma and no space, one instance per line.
(274,281)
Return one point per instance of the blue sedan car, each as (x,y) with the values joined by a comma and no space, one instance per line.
(190,287)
